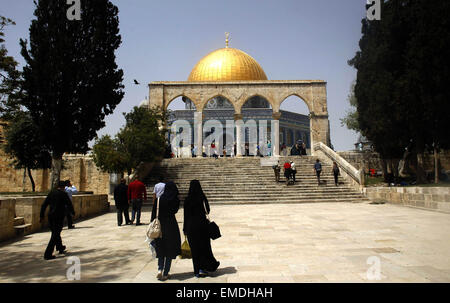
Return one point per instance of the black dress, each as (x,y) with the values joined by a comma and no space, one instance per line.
(169,245)
(196,229)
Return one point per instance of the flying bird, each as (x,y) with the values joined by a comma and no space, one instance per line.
(135,82)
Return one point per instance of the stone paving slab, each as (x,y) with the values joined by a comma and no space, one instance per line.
(320,242)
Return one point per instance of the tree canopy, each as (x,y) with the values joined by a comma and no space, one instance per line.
(71,81)
(24,147)
(402,68)
(142,139)
(9,77)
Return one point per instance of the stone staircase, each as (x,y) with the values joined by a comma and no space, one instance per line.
(245,181)
(20,227)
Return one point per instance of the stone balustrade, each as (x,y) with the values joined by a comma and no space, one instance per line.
(346,169)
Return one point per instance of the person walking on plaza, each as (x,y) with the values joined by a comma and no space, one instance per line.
(169,246)
(293,170)
(137,193)
(195,227)
(318,170)
(70,190)
(121,201)
(158,190)
(336,173)
(58,201)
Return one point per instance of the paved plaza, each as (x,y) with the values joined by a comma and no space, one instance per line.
(324,242)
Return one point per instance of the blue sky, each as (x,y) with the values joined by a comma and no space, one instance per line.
(291,40)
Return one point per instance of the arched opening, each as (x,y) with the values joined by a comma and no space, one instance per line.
(294,125)
(180,122)
(218,127)
(257,114)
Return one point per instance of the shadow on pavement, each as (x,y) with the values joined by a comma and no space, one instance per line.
(97,265)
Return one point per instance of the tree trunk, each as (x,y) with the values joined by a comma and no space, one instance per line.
(33,186)
(56,170)
(384,168)
(23,179)
(420,170)
(436,165)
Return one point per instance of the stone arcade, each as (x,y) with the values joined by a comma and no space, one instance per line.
(231,77)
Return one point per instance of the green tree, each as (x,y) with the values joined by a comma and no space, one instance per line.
(142,139)
(425,81)
(71,81)
(400,88)
(350,119)
(110,155)
(9,77)
(24,147)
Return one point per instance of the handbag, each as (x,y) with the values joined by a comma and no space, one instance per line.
(186,250)
(154,228)
(213,228)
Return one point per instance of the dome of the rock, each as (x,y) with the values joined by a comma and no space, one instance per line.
(227,64)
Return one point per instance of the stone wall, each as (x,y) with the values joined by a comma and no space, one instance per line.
(436,198)
(7,219)
(80,169)
(364,160)
(372,160)
(30,207)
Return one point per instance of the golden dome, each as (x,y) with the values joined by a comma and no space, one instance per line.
(227,64)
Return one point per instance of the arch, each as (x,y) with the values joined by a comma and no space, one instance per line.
(305,100)
(166,106)
(245,99)
(207,100)
(253,97)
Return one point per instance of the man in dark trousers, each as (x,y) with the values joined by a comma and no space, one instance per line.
(121,199)
(58,200)
(318,170)
(137,193)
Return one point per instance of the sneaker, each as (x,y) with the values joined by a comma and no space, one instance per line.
(202,273)
(159,275)
(164,278)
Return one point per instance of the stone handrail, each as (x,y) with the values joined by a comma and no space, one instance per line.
(355,174)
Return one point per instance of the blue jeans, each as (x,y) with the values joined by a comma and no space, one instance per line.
(136,205)
(164,263)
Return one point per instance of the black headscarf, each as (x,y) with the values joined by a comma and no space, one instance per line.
(170,191)
(195,191)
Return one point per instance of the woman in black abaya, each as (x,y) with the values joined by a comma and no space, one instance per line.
(169,246)
(196,229)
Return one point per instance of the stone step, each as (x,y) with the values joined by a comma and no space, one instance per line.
(245,181)
(289,201)
(18,221)
(22,229)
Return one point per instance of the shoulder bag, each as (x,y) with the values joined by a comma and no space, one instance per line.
(154,228)
(213,228)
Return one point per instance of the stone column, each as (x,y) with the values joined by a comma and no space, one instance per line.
(276,133)
(239,138)
(319,129)
(198,132)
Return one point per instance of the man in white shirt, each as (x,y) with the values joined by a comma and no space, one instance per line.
(158,190)
(70,190)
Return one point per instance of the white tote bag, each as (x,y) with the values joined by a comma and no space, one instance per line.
(154,228)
